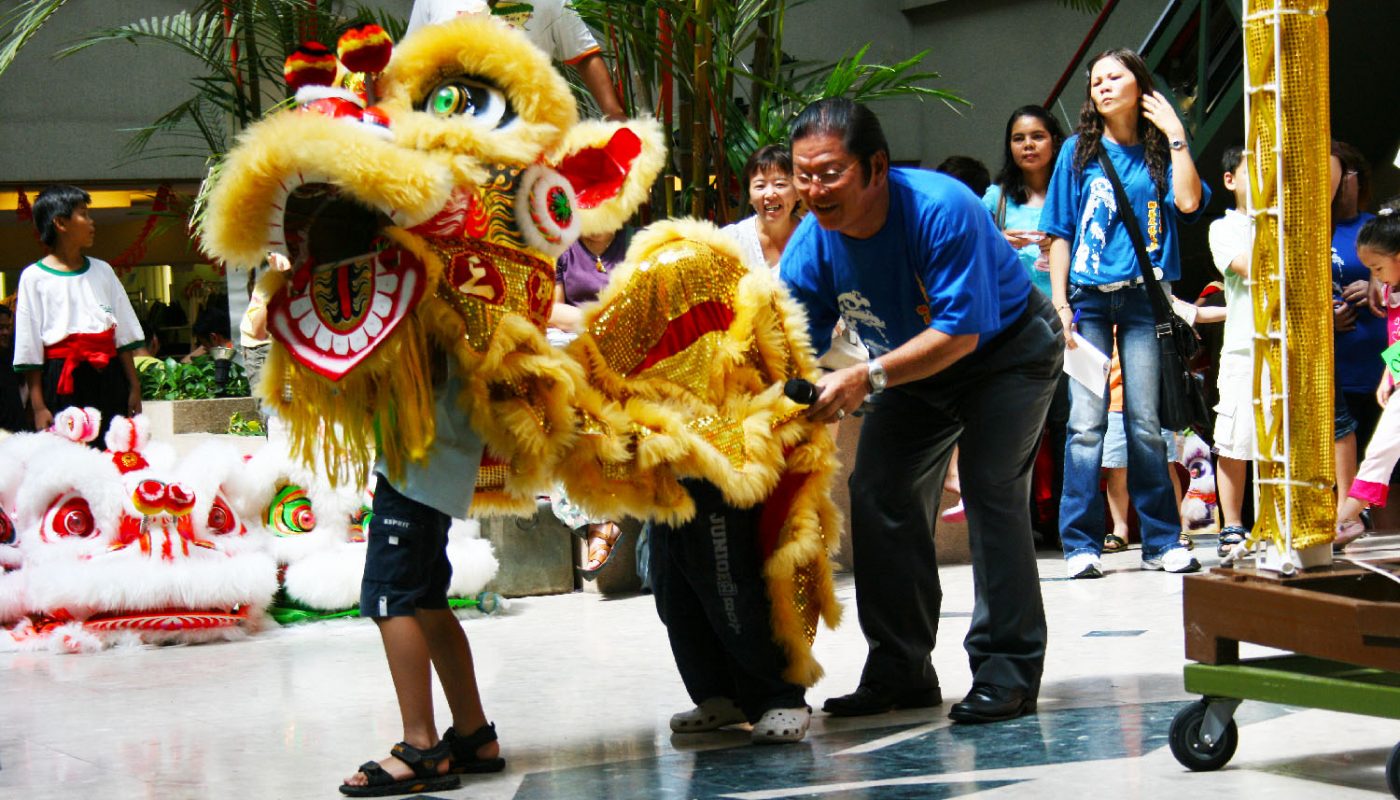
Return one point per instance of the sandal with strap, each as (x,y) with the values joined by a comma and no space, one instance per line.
(1113,543)
(1230,536)
(424,764)
(464,757)
(600,547)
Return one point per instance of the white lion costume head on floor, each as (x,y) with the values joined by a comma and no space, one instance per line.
(126,545)
(317,532)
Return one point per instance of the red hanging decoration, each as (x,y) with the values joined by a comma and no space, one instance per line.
(136,251)
(25,212)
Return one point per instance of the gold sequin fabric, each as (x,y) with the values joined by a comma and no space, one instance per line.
(680,279)
(483,282)
(1287,138)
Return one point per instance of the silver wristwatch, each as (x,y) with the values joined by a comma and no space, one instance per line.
(1177,144)
(878,376)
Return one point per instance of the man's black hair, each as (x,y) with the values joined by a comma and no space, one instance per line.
(857,126)
(60,200)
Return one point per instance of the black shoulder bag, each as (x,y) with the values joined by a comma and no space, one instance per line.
(1182,402)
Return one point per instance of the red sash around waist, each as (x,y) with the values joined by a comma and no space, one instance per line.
(97,349)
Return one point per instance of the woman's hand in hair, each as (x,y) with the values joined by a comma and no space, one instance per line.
(1160,113)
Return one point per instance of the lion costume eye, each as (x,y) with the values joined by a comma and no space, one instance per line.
(462,96)
(71,516)
(222,520)
(290,513)
(7,528)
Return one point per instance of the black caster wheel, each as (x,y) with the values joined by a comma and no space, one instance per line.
(1392,771)
(1195,754)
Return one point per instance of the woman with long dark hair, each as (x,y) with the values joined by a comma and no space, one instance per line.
(1015,200)
(1097,288)
(1033,139)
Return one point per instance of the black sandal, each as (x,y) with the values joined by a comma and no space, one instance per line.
(424,764)
(464,757)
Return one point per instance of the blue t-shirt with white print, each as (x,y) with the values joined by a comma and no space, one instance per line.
(1080,208)
(938,262)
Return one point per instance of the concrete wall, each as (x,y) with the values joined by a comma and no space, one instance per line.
(998,54)
(63,120)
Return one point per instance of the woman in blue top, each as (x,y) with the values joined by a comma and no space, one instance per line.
(1033,139)
(1097,288)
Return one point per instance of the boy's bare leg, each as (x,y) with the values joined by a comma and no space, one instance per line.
(1117,492)
(406,647)
(1345,449)
(451,655)
(1229,483)
(1176,489)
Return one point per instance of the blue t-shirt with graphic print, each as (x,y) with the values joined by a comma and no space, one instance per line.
(938,262)
(1080,208)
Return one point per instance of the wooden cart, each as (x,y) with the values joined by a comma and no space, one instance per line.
(1342,624)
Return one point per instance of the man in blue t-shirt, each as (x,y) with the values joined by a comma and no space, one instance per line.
(961,349)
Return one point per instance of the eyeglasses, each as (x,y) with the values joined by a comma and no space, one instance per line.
(826,180)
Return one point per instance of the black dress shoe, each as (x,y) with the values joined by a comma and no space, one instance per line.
(991,703)
(871,699)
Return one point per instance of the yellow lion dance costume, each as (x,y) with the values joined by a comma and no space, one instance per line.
(431,221)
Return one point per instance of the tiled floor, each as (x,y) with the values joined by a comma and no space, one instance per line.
(581,687)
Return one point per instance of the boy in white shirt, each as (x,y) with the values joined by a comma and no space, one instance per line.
(1231,246)
(75,329)
(551,26)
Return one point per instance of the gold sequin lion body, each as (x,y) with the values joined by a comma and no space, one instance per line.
(429,224)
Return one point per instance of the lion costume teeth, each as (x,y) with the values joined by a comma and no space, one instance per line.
(441,237)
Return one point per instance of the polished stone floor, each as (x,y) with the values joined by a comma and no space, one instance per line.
(581,688)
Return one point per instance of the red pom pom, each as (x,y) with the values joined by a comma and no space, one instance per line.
(312,64)
(365,48)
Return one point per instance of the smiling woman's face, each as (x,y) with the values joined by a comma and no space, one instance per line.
(772,195)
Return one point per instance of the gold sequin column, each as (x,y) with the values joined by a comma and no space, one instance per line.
(1287,136)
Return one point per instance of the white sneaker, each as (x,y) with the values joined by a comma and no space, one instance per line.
(1177,559)
(712,714)
(782,725)
(1084,565)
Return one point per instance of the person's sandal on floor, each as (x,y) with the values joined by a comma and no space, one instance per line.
(603,539)
(464,750)
(426,777)
(1230,536)
(1113,543)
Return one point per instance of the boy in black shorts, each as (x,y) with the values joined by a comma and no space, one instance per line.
(404,590)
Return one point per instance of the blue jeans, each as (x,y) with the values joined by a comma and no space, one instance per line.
(1081,504)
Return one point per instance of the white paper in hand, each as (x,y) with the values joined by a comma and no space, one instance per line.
(1088,365)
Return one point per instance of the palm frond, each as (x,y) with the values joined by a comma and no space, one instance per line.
(20,24)
(1086,6)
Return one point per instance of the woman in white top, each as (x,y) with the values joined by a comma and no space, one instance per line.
(768,176)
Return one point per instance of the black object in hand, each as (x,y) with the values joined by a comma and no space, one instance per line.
(801,391)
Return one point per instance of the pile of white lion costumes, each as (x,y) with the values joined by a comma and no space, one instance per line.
(133,545)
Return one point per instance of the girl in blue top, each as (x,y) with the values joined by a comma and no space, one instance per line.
(1097,289)
(1033,138)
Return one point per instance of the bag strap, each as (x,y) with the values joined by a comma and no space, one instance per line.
(1161,307)
(1001,208)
